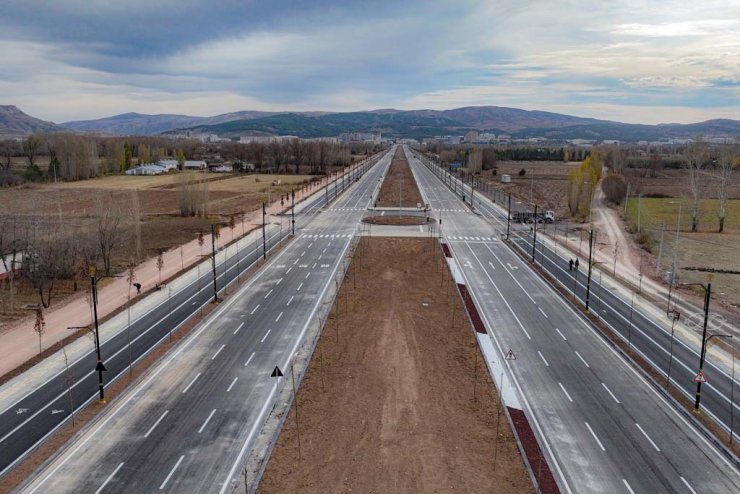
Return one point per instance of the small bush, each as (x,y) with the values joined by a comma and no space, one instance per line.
(522,172)
(657,195)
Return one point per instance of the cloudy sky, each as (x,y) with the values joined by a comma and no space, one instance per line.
(643,61)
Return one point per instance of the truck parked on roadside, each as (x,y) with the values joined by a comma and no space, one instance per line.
(545,216)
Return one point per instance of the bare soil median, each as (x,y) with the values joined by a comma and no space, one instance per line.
(399,180)
(387,402)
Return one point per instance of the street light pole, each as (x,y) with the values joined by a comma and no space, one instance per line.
(676,316)
(100,367)
(704,339)
(292,210)
(264,233)
(213,261)
(508,218)
(534,229)
(590,265)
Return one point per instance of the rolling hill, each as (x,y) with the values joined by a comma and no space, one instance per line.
(15,123)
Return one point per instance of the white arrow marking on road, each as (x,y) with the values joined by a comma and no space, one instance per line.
(512,267)
(280,266)
(303,265)
(468,264)
(54,412)
(326,265)
(492,266)
(21,411)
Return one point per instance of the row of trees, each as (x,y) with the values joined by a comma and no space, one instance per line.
(49,249)
(78,157)
(295,155)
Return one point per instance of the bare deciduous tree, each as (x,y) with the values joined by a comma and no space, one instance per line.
(109,218)
(694,159)
(31,149)
(725,167)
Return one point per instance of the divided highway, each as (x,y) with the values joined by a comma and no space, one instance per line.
(602,425)
(188,426)
(28,421)
(651,340)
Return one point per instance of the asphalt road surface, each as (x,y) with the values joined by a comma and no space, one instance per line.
(29,421)
(603,427)
(652,341)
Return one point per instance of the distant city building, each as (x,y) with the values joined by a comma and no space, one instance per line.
(471,136)
(265,139)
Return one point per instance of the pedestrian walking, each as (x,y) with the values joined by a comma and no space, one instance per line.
(570,265)
(576,264)
(138,288)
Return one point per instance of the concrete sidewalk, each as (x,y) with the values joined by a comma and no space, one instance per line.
(18,341)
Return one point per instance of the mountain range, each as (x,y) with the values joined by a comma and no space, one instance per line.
(15,123)
(389,122)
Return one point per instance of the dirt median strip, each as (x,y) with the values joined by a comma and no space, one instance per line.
(399,180)
(387,403)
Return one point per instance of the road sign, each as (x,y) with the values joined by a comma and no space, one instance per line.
(510,355)
(276,372)
(700,377)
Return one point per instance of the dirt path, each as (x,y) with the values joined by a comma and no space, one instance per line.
(399,179)
(387,401)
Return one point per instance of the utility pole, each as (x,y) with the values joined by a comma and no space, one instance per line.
(264,233)
(100,367)
(590,265)
(213,261)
